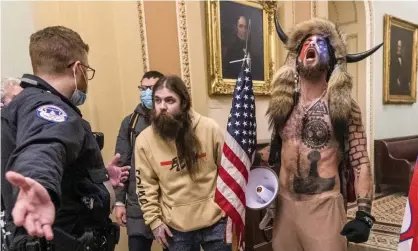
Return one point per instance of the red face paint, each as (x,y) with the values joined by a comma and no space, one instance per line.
(313,47)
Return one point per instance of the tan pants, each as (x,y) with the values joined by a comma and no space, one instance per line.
(312,225)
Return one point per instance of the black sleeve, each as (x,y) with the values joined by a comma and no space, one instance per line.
(49,137)
(123,147)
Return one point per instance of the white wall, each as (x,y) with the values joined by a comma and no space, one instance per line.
(16,28)
(391,120)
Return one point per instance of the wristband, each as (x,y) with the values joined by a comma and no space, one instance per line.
(119,204)
(365,217)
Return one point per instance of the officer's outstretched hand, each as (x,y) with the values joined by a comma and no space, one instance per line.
(34,209)
(117,174)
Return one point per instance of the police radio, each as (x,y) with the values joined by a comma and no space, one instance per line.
(99,136)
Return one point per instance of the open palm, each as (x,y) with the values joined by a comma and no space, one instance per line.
(117,174)
(34,209)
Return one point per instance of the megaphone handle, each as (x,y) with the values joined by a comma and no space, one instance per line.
(266,219)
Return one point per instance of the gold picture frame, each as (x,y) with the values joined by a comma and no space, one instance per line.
(218,84)
(400,50)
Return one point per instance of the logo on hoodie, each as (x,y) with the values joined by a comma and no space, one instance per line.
(175,163)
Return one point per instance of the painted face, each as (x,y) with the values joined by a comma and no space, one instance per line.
(399,48)
(314,49)
(242,28)
(167,101)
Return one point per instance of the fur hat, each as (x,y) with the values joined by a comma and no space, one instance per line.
(339,83)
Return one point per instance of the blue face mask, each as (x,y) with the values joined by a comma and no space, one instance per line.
(146,98)
(78,98)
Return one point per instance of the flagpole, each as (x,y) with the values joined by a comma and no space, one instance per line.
(235,240)
(242,130)
(246,55)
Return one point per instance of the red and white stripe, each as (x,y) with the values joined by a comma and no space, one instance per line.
(231,183)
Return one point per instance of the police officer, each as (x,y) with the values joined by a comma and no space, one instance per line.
(56,191)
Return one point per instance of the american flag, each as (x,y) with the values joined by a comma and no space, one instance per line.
(237,156)
(408,240)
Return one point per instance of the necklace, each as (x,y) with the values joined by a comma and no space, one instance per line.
(306,110)
(302,126)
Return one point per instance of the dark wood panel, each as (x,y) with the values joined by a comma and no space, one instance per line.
(255,238)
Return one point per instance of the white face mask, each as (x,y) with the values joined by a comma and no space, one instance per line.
(78,98)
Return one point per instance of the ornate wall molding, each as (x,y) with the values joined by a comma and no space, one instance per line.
(143,35)
(314,6)
(368,9)
(333,4)
(294,13)
(183,43)
(335,8)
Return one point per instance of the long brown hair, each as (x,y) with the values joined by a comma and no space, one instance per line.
(187,143)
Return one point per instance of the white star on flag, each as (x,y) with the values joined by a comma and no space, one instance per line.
(237,156)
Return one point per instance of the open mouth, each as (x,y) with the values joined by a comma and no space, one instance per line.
(310,55)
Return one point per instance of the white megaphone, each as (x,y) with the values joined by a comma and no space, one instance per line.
(261,191)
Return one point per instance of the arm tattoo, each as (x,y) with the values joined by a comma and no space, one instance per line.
(359,160)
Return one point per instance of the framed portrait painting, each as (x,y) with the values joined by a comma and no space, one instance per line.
(400,61)
(235,28)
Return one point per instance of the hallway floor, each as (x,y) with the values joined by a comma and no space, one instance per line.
(361,248)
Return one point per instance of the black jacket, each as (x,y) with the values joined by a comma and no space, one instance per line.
(127,194)
(400,71)
(45,138)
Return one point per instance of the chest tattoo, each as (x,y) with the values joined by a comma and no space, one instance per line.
(313,184)
(316,132)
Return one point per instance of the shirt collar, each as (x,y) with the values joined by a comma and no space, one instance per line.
(29,80)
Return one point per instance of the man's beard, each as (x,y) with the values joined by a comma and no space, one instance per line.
(166,125)
(179,128)
(314,71)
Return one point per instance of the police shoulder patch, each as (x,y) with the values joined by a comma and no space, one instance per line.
(51,113)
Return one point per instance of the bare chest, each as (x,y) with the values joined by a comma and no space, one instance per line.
(309,152)
(310,126)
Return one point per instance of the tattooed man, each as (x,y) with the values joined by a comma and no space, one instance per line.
(316,123)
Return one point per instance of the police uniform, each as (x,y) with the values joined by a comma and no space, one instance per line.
(45,138)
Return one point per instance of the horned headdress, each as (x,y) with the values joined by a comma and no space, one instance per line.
(339,81)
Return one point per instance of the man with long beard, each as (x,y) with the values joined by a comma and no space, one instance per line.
(316,123)
(127,211)
(176,165)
